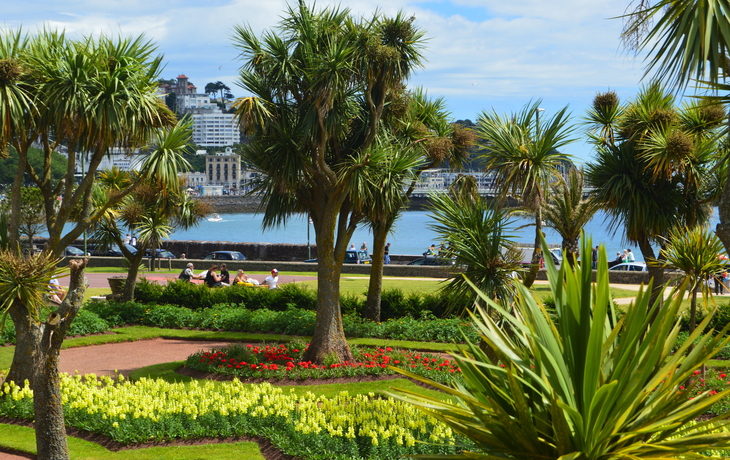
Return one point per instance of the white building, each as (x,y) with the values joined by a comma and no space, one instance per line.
(213,128)
(223,169)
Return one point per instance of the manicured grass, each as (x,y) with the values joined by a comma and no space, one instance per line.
(23,439)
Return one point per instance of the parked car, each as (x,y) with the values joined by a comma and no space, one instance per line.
(72,251)
(96,250)
(225,255)
(160,254)
(353,257)
(629,266)
(528,251)
(431,261)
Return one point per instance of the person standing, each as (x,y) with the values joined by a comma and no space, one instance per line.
(386,258)
(594,257)
(629,256)
(364,246)
(272,279)
(133,241)
(127,239)
(182,256)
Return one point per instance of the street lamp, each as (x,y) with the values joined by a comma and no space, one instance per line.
(537,121)
(309,249)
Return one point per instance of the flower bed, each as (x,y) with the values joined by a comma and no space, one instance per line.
(285,361)
(307,427)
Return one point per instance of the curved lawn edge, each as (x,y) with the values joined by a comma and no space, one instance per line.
(19,439)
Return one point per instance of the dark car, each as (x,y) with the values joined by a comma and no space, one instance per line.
(160,254)
(98,250)
(225,255)
(71,251)
(431,261)
(353,257)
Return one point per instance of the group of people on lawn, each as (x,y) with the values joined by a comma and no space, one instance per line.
(213,279)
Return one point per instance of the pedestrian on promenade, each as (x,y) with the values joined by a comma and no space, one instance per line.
(387,254)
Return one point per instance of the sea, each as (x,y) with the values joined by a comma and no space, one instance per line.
(412,234)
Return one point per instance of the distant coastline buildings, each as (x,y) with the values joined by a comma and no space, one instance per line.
(212,127)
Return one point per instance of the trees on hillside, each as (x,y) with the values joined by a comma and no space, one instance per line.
(320,84)
(522,153)
(657,166)
(88,95)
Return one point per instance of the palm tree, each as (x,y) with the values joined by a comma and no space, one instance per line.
(522,153)
(423,131)
(320,87)
(687,40)
(697,253)
(568,213)
(381,199)
(658,168)
(478,240)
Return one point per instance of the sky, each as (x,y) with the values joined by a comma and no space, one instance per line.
(481,55)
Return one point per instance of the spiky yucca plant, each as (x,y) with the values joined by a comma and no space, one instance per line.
(582,384)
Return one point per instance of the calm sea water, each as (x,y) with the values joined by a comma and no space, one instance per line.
(411,235)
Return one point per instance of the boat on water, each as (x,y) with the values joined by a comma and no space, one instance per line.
(215,218)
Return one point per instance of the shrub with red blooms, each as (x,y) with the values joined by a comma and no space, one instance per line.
(285,361)
(714,381)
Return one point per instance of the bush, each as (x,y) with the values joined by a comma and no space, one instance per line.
(118,313)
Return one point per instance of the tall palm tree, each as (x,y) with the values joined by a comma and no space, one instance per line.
(522,153)
(381,199)
(657,170)
(567,212)
(687,40)
(320,85)
(696,252)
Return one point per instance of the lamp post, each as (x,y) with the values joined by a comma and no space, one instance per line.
(537,121)
(309,249)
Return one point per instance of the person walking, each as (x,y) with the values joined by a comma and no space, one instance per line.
(133,241)
(386,258)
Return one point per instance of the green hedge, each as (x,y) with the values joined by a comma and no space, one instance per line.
(394,303)
(292,321)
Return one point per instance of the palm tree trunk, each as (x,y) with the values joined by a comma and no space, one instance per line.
(375,286)
(531,274)
(131,282)
(723,210)
(693,310)
(39,345)
(329,335)
(656,273)
(570,251)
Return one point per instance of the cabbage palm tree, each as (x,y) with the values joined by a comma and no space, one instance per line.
(567,212)
(478,240)
(696,252)
(423,139)
(657,170)
(687,40)
(522,153)
(320,85)
(582,383)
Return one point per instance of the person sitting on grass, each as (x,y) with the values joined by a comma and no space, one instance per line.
(187,274)
(272,279)
(55,291)
(242,279)
(211,277)
(225,277)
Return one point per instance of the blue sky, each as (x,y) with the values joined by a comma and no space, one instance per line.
(481,54)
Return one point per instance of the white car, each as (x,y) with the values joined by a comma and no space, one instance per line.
(629,266)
